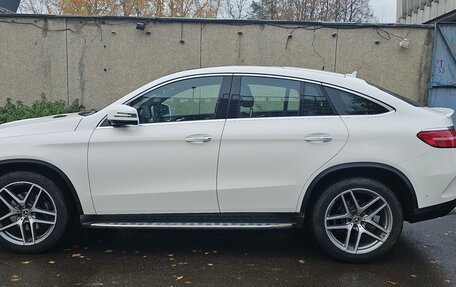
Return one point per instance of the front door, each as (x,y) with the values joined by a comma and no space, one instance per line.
(168,163)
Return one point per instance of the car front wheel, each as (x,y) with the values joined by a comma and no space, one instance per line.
(33,213)
(357,219)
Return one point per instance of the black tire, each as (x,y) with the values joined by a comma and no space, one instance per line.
(61,209)
(318,219)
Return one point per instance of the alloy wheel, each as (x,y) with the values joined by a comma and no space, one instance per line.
(28,213)
(358,221)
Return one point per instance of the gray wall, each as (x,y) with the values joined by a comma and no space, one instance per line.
(98,60)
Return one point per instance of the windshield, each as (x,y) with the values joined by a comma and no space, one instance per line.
(405,99)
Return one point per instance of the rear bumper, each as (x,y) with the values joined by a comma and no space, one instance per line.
(433,211)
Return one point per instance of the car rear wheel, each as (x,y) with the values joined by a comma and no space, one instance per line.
(357,220)
(33,212)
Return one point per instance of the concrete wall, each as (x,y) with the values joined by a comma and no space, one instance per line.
(98,60)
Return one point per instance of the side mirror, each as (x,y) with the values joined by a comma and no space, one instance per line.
(123,115)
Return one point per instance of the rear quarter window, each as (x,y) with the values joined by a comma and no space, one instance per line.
(347,103)
(405,99)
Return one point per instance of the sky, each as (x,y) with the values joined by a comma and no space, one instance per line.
(384,10)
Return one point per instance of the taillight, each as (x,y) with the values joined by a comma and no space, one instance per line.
(441,138)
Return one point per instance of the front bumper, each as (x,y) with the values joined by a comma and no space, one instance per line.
(431,212)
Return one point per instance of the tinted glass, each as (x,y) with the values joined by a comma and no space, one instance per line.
(186,100)
(407,100)
(268,97)
(314,102)
(350,104)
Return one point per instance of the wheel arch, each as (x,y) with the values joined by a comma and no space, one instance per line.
(386,174)
(48,170)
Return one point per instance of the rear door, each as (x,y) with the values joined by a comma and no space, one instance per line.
(279,131)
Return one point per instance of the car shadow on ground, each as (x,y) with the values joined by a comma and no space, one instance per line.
(212,258)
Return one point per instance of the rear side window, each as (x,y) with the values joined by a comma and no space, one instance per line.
(349,104)
(314,101)
(272,97)
(268,97)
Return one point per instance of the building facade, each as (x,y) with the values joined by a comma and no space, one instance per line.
(426,11)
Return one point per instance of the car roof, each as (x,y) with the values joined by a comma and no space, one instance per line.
(309,74)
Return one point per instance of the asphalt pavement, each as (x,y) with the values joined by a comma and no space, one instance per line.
(424,256)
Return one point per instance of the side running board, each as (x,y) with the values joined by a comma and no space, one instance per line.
(188,225)
(196,221)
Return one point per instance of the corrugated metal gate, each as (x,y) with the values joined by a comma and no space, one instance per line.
(442,90)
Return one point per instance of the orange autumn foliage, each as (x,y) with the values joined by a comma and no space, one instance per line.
(139,8)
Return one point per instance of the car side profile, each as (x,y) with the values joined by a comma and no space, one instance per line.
(237,147)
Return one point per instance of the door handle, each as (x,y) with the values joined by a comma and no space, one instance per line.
(198,139)
(318,137)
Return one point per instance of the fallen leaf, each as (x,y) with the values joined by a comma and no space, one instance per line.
(76,255)
(26,262)
(14,276)
(179,277)
(301,261)
(391,282)
(188,282)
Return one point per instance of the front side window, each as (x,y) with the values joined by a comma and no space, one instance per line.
(347,103)
(186,100)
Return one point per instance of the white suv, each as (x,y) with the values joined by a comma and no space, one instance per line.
(233,147)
